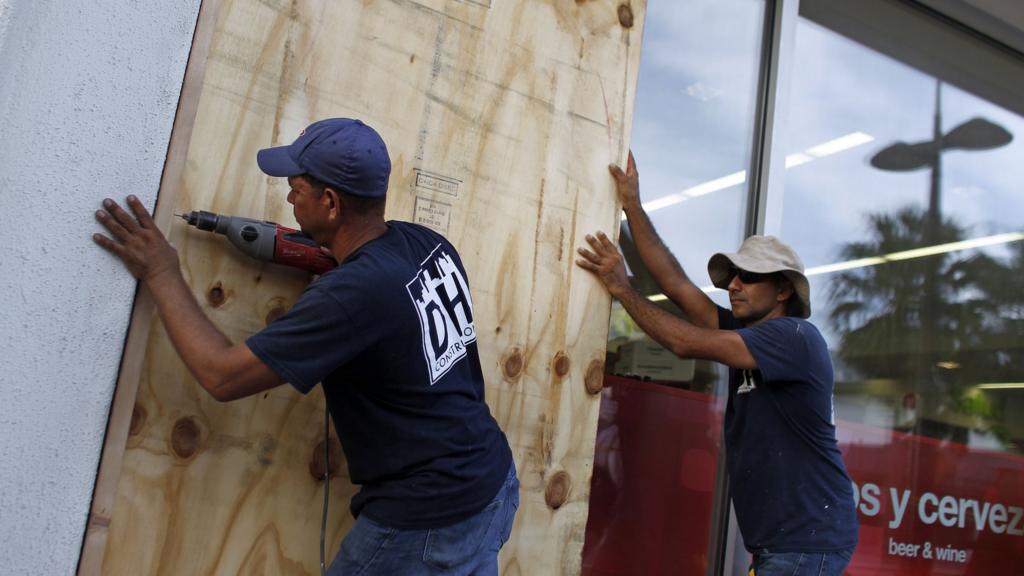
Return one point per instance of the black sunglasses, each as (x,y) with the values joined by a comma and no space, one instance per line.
(748,277)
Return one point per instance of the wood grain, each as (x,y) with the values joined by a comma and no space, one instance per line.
(501,117)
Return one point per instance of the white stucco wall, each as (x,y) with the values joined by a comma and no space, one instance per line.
(88,92)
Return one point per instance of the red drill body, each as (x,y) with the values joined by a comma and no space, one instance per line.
(266,241)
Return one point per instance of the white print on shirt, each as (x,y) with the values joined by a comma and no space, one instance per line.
(748,382)
(441,296)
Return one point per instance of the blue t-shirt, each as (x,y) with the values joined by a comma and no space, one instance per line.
(788,482)
(390,334)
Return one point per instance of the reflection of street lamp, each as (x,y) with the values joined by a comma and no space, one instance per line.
(974,134)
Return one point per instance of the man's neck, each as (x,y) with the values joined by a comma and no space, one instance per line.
(351,235)
(777,312)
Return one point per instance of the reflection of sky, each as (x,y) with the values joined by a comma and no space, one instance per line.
(840,86)
(693,123)
(694,119)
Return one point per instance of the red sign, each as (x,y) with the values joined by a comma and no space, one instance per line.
(932,507)
(926,507)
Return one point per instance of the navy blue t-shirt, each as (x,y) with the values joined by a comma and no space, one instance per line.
(786,474)
(390,334)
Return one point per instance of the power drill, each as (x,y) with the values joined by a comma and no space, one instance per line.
(266,241)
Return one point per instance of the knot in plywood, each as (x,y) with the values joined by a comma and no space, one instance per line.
(275,307)
(318,465)
(557,491)
(185,436)
(626,15)
(512,365)
(594,379)
(561,364)
(216,295)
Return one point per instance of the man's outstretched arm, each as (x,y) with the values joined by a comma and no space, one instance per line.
(659,261)
(224,370)
(682,338)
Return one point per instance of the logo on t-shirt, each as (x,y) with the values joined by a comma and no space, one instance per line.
(441,296)
(748,384)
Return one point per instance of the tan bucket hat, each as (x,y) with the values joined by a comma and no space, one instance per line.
(763,254)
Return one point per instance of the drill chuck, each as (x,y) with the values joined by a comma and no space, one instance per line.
(205,221)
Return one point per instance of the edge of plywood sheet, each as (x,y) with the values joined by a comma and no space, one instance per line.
(121,412)
(516,216)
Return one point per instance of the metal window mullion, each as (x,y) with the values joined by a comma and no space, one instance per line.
(768,159)
(764,200)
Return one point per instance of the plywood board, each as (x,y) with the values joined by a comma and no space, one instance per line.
(500,116)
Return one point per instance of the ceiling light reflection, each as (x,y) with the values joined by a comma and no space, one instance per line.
(834,146)
(979,242)
(918,253)
(851,140)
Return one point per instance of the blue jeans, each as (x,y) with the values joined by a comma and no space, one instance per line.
(468,547)
(801,563)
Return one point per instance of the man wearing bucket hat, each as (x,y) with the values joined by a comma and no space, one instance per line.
(792,495)
(390,335)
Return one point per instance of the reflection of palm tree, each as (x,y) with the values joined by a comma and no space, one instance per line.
(1003,287)
(882,312)
(878,309)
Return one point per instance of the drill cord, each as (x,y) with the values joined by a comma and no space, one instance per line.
(327,483)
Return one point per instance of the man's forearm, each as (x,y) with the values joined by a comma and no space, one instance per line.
(657,258)
(672,332)
(199,343)
(666,270)
(225,371)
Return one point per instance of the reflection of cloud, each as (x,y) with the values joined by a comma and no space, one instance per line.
(968,191)
(681,141)
(840,85)
(696,95)
(702,91)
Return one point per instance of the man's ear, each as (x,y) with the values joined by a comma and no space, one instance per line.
(332,201)
(785,290)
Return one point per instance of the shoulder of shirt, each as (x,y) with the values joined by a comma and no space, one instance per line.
(386,243)
(403,225)
(802,327)
(347,287)
(787,323)
(360,262)
(351,274)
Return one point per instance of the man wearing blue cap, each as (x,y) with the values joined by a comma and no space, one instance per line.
(390,335)
(789,487)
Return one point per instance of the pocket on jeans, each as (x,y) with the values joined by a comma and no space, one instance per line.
(361,547)
(512,494)
(453,545)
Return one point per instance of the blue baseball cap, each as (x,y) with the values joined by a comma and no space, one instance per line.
(340,152)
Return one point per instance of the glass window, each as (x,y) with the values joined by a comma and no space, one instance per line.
(654,480)
(903,197)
